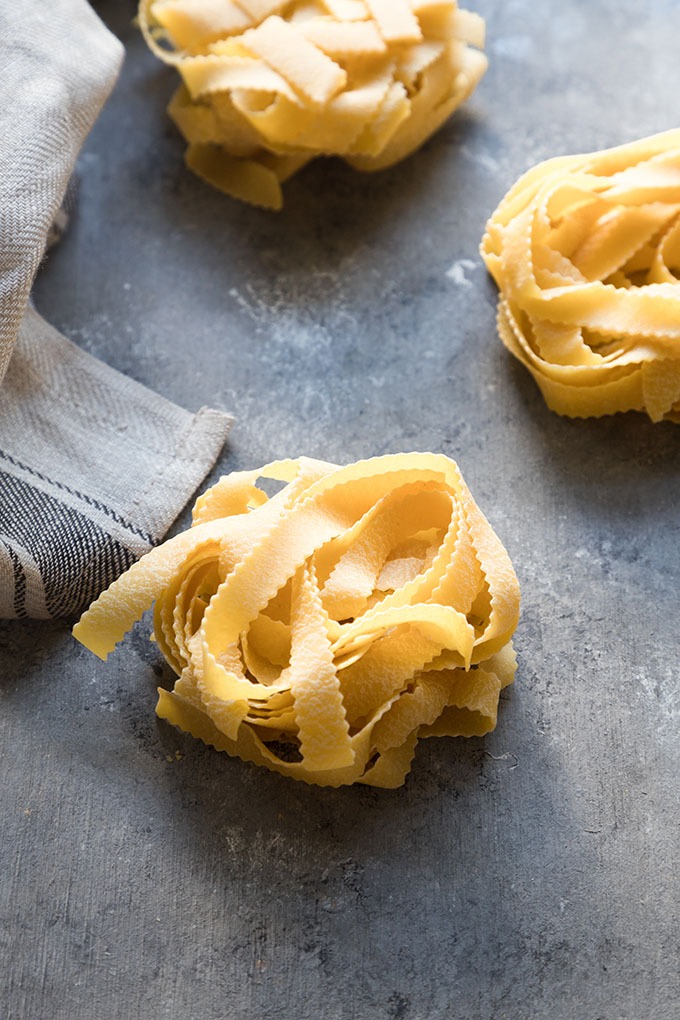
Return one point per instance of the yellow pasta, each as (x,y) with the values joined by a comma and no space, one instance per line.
(586,254)
(268,85)
(322,631)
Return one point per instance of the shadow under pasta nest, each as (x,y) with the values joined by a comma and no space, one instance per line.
(330,212)
(597,455)
(215,795)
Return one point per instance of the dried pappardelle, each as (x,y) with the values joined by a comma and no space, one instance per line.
(322,631)
(586,254)
(269,85)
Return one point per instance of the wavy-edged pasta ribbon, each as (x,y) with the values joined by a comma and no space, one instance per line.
(322,631)
(268,85)
(586,253)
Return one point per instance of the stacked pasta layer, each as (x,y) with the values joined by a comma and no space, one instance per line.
(586,253)
(322,631)
(270,84)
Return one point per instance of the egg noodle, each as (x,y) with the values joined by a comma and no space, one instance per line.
(322,631)
(586,253)
(268,85)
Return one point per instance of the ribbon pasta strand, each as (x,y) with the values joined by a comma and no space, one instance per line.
(586,254)
(267,86)
(322,631)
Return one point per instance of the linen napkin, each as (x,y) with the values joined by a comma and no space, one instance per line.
(93,467)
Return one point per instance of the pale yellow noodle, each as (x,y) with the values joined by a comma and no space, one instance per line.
(262,80)
(321,632)
(586,254)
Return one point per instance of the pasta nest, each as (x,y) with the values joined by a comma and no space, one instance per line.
(586,253)
(321,631)
(269,84)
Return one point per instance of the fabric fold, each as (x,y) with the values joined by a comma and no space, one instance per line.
(94,467)
(58,64)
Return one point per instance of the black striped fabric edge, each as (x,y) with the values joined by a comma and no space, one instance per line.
(94,503)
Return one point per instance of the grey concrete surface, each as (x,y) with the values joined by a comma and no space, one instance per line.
(528,876)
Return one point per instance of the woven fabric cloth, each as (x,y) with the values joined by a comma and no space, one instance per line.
(93,467)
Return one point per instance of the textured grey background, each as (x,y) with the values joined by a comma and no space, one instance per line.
(529,876)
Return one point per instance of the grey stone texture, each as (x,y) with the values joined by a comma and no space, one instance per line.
(531,875)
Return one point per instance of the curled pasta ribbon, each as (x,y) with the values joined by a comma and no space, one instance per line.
(269,85)
(322,631)
(586,253)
